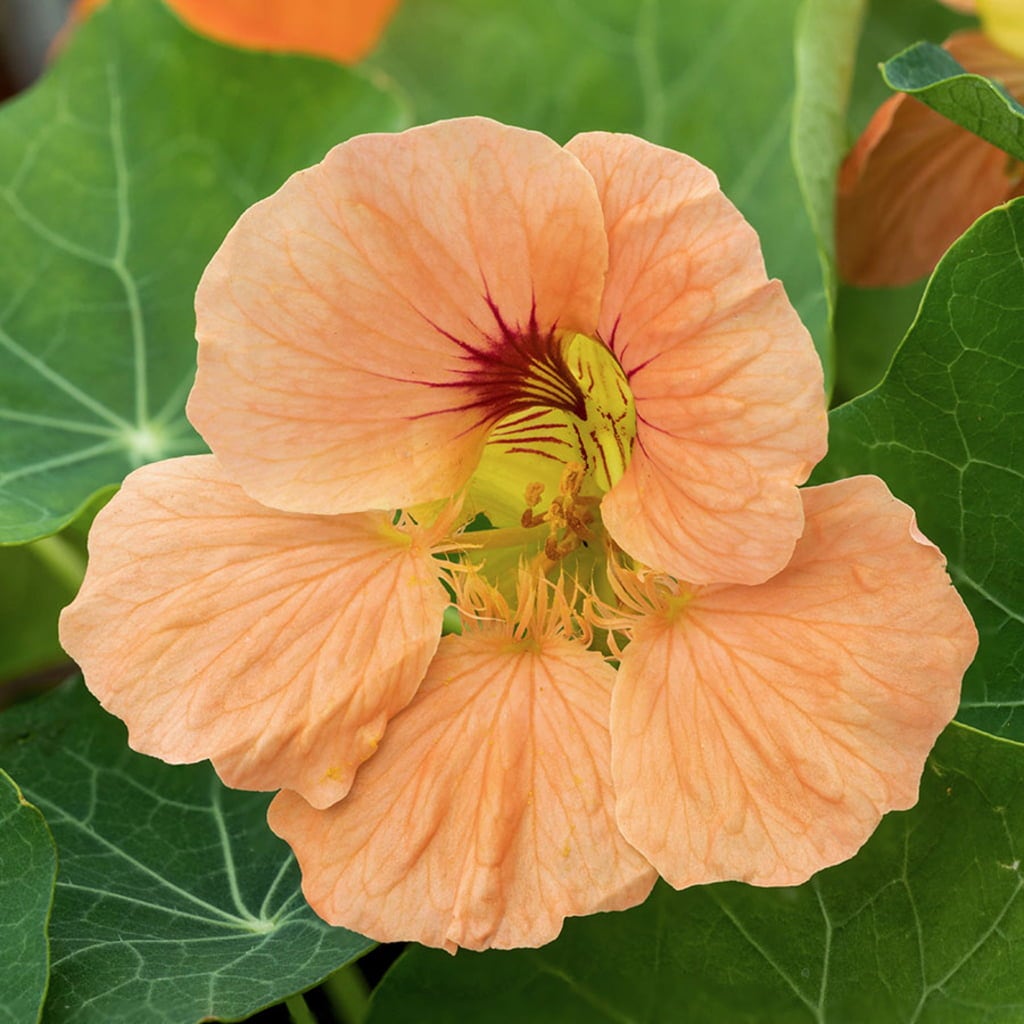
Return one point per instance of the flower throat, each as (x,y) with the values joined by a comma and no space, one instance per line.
(545,467)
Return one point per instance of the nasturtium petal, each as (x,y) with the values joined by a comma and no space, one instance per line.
(28,870)
(174,902)
(120,172)
(217,628)
(341,30)
(727,385)
(487,816)
(346,322)
(760,733)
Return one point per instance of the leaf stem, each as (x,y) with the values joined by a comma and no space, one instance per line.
(62,558)
(298,1009)
(348,994)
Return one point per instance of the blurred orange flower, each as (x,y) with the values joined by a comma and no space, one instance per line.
(915,181)
(341,30)
(552,388)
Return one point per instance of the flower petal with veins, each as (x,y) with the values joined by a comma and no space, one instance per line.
(487,817)
(570,363)
(217,628)
(385,308)
(760,733)
(728,388)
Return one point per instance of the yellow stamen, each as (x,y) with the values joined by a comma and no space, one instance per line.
(569,516)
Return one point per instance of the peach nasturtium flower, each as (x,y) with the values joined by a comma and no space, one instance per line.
(552,389)
(341,30)
(915,181)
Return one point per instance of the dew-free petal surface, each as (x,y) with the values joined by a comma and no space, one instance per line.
(728,387)
(915,181)
(347,322)
(964,6)
(761,732)
(487,815)
(217,628)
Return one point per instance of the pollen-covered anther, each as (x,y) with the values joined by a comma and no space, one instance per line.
(529,519)
(572,479)
(568,517)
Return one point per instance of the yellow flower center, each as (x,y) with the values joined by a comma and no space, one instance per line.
(534,551)
(526,463)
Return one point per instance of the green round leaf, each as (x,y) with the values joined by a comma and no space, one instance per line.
(175,903)
(120,173)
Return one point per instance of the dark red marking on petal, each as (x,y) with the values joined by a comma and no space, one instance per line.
(519,450)
(517,368)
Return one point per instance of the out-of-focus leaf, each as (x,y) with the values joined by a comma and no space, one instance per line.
(673,73)
(827,33)
(119,175)
(869,325)
(175,903)
(28,867)
(924,926)
(945,430)
(33,589)
(978,104)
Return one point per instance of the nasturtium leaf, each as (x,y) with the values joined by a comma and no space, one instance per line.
(28,867)
(925,925)
(826,44)
(120,172)
(869,326)
(978,104)
(175,903)
(715,80)
(945,430)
